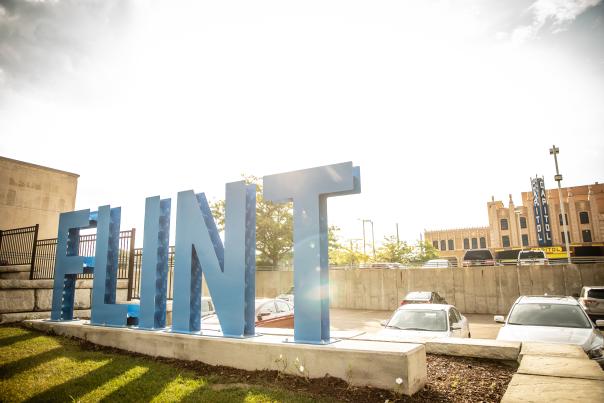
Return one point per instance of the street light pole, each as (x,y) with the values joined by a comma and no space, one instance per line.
(372,236)
(364,243)
(372,239)
(558,178)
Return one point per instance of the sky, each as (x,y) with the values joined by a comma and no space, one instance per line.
(442,104)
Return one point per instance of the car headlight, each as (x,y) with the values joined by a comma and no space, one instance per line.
(596,352)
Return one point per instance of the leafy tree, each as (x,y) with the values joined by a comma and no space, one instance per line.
(423,252)
(342,255)
(274,226)
(393,251)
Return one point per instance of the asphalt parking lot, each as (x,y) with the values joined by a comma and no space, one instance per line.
(481,326)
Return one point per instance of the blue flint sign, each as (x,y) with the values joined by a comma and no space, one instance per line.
(229,268)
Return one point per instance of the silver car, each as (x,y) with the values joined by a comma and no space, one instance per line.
(532,257)
(592,300)
(425,321)
(550,319)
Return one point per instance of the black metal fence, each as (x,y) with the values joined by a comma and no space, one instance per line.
(46,250)
(18,246)
(134,286)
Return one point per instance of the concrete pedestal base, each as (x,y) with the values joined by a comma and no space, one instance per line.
(396,366)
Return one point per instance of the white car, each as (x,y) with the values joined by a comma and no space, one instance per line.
(437,264)
(550,319)
(425,321)
(287,296)
(532,257)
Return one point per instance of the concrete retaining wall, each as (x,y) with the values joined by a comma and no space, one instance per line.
(489,290)
(29,299)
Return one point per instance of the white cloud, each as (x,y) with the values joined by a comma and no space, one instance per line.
(560,13)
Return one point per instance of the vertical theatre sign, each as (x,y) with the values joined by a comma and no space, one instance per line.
(542,216)
(229,268)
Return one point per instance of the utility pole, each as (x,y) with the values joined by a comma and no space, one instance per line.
(397,238)
(558,178)
(364,243)
(372,239)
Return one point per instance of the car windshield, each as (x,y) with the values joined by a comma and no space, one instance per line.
(478,255)
(598,294)
(559,315)
(531,255)
(418,295)
(408,319)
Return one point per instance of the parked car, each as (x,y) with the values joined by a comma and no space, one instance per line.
(478,257)
(423,297)
(530,257)
(425,321)
(591,299)
(270,312)
(552,319)
(437,264)
(287,296)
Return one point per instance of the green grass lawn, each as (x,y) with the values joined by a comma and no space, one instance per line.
(38,367)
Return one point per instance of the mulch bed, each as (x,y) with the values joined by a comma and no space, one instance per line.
(450,379)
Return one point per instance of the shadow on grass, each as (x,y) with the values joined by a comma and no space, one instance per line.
(144,388)
(206,394)
(26,363)
(7,341)
(78,387)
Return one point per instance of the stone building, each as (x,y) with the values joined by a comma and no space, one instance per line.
(452,243)
(32,194)
(514,226)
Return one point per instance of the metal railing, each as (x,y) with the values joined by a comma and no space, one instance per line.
(46,250)
(134,285)
(18,246)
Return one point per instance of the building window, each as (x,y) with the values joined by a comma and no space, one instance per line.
(483,242)
(466,243)
(505,240)
(504,224)
(435,244)
(564,239)
(584,217)
(586,235)
(524,240)
(443,245)
(560,218)
(451,245)
(522,222)
(474,243)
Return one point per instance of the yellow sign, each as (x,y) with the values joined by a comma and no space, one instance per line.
(553,252)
